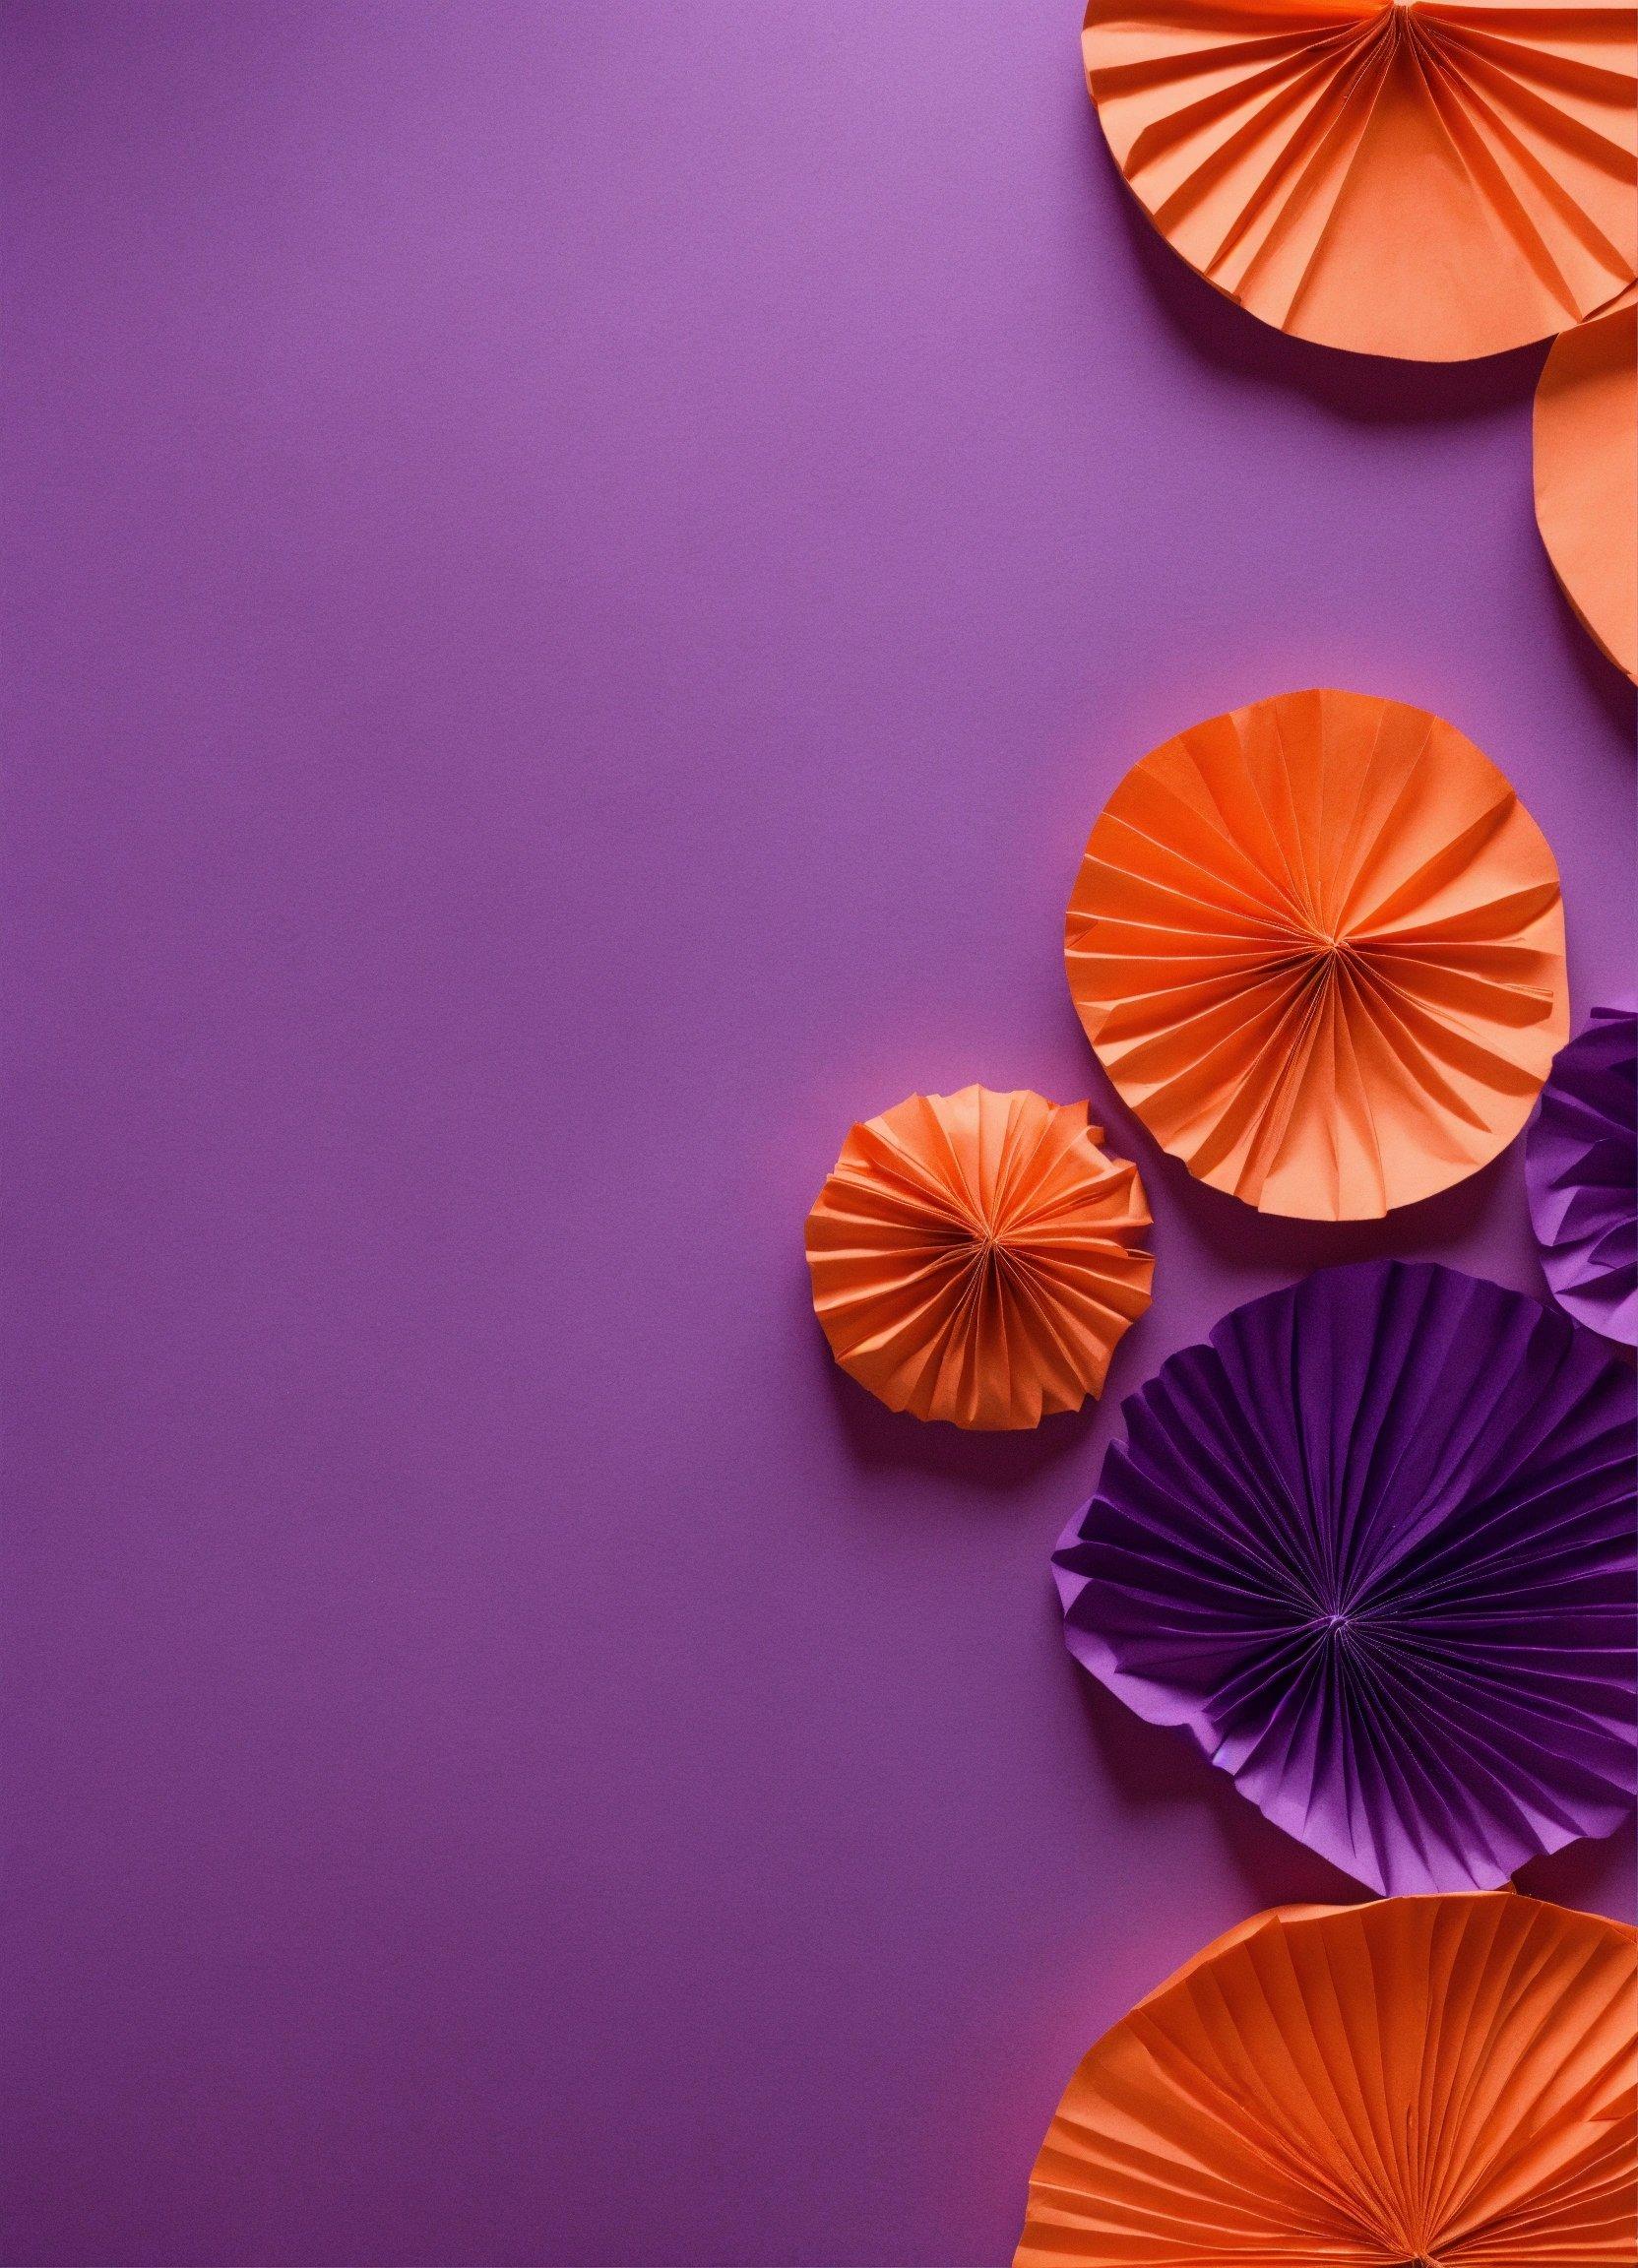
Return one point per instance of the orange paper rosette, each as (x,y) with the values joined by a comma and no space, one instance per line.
(1423,2083)
(1401,178)
(1318,946)
(975,1257)
(1587,475)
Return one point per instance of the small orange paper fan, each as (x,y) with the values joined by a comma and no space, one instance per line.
(1438,2082)
(1587,475)
(1406,178)
(1319,948)
(975,1257)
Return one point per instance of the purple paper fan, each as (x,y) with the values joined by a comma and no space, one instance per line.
(1581,1170)
(1374,1546)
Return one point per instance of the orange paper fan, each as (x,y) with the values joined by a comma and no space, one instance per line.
(1587,475)
(1422,2083)
(975,1257)
(1318,946)
(1396,176)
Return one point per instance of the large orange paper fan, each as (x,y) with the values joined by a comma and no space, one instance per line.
(1318,946)
(1423,2083)
(1406,177)
(975,1257)
(1587,475)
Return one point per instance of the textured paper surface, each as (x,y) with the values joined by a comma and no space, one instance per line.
(1581,1170)
(1373,1545)
(1394,176)
(1443,2081)
(1318,946)
(565,547)
(975,1257)
(1586,444)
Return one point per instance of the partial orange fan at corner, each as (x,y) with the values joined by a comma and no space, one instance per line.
(1414,179)
(1586,442)
(975,1257)
(1443,2079)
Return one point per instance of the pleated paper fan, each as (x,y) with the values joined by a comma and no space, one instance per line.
(1586,442)
(1318,946)
(1376,1546)
(976,1257)
(1422,2083)
(1402,177)
(1581,1170)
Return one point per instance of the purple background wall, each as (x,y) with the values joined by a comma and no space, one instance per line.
(580,573)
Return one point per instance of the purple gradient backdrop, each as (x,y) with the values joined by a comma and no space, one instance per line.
(579,575)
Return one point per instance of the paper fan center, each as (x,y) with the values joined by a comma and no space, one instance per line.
(1418,2232)
(1404,26)
(986,1241)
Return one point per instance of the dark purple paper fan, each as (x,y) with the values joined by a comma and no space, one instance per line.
(1373,1545)
(1581,1170)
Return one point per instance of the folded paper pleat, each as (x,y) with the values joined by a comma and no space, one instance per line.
(1406,177)
(975,1257)
(1585,447)
(1376,1546)
(1318,946)
(1581,1170)
(1422,2083)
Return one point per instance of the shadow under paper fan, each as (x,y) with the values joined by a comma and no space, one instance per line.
(1600,1876)
(1149,1765)
(882,1439)
(1375,389)
(1611,688)
(1237,1232)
